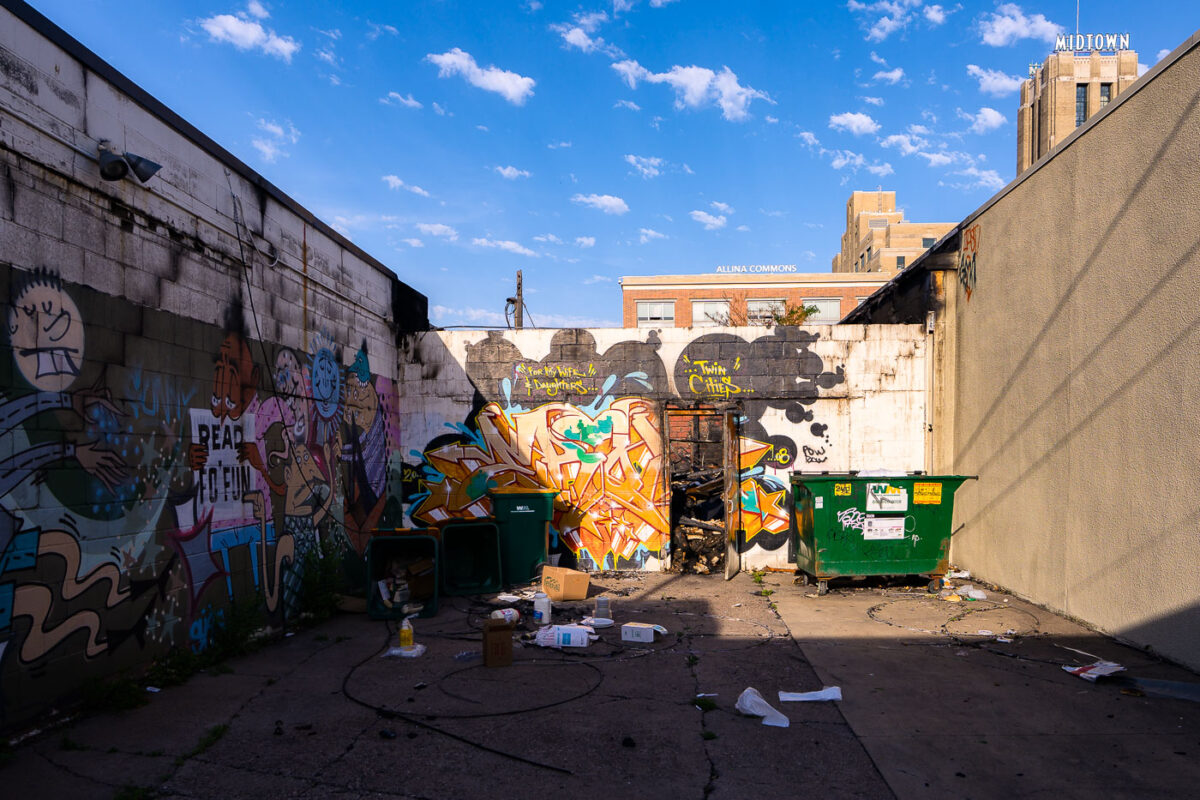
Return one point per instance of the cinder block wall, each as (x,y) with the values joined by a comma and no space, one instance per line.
(581,411)
(189,404)
(1075,396)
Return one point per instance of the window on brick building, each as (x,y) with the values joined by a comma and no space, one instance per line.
(656,312)
(829,310)
(759,312)
(710,313)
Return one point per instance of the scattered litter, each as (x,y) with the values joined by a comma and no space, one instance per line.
(640,631)
(737,605)
(507,598)
(1092,671)
(153,689)
(707,694)
(961,574)
(598,622)
(468,655)
(1004,640)
(827,693)
(952,598)
(564,636)
(985,632)
(977,594)
(752,704)
(405,652)
(510,615)
(289,634)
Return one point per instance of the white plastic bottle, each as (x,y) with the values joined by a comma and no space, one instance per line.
(541,609)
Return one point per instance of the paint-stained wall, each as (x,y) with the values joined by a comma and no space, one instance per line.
(581,412)
(1076,335)
(196,383)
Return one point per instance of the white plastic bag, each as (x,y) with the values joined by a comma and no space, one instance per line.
(752,704)
(828,693)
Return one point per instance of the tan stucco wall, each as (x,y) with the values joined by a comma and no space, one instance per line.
(1077,374)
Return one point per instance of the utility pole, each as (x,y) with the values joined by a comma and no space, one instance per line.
(518,314)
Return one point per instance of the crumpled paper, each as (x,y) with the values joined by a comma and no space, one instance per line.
(752,704)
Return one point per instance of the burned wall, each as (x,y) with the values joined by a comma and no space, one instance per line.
(197,389)
(581,412)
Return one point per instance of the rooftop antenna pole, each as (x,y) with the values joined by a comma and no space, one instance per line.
(518,315)
(1076,17)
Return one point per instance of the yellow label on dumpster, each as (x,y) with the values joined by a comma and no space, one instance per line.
(841,490)
(927,494)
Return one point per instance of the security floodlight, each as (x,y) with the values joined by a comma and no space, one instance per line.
(112,166)
(143,168)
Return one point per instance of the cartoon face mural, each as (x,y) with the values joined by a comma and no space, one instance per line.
(46,333)
(292,388)
(235,378)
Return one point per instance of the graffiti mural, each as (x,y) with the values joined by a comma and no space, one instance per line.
(138,499)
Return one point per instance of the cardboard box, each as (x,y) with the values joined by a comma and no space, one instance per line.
(640,631)
(497,643)
(560,583)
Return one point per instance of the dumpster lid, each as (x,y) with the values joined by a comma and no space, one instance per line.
(812,477)
(520,490)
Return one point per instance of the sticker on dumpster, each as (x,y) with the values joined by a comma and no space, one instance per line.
(883,528)
(927,494)
(818,502)
(841,490)
(885,497)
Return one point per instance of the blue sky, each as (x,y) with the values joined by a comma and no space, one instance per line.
(460,141)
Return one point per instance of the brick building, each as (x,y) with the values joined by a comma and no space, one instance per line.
(877,237)
(707,300)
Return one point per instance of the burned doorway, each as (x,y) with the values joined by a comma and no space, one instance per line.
(703,456)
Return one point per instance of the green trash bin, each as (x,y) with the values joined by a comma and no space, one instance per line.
(853,525)
(523,516)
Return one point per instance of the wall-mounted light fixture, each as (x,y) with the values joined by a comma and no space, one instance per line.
(114,166)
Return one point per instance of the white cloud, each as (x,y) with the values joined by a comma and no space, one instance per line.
(919,130)
(395,98)
(548,237)
(1009,24)
(514,88)
(332,33)
(577,37)
(441,112)
(438,229)
(257,10)
(602,202)
(632,106)
(585,241)
(808,138)
(511,173)
(885,17)
(771,120)
(892,76)
(483,128)
(880,169)
(506,245)
(855,122)
(1161,55)
(875,101)
(597,279)
(979,179)
(885,27)
(842,159)
(660,3)
(906,143)
(878,59)
(413,242)
(558,145)
(621,6)
(394,182)
(724,208)
(268,149)
(940,158)
(696,87)
(743,228)
(1142,69)
(988,119)
(246,34)
(937,14)
(994,81)
(767,213)
(649,234)
(709,222)
(647,166)
(379,30)
(591,22)
(484,316)
(327,55)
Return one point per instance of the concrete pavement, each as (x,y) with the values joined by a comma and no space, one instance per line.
(931,708)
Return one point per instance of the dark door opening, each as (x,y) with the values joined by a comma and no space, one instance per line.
(701,453)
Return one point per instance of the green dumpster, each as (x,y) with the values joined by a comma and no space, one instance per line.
(853,525)
(523,516)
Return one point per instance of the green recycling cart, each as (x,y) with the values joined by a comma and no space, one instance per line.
(523,516)
(852,525)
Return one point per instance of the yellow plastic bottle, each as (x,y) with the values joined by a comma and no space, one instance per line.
(406,633)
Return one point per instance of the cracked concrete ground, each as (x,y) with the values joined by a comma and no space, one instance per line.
(931,708)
